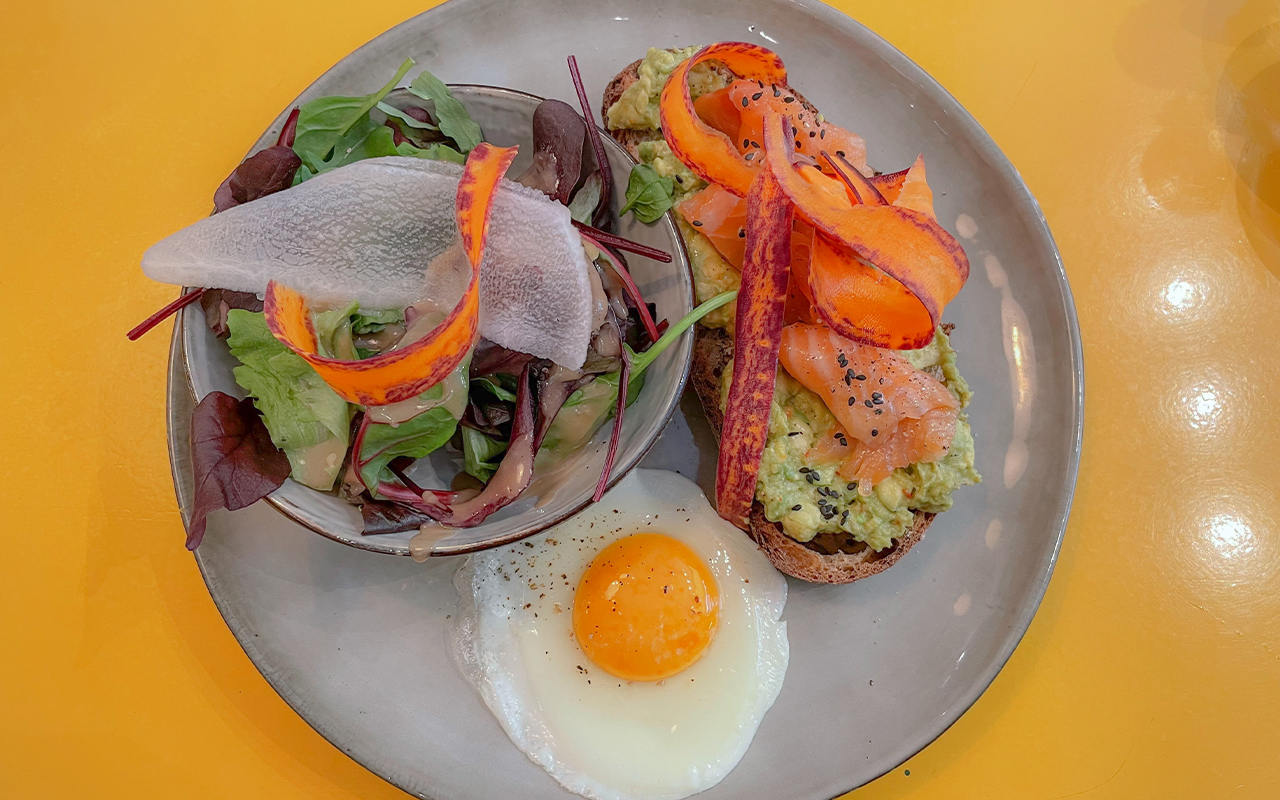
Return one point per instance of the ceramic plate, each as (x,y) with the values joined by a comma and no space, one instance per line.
(357,642)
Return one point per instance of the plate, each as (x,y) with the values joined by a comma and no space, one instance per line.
(506,117)
(357,643)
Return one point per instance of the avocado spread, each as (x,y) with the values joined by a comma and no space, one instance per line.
(637,108)
(798,418)
(790,485)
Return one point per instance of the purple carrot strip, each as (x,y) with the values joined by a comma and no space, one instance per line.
(616,261)
(160,316)
(290,129)
(597,147)
(624,244)
(624,378)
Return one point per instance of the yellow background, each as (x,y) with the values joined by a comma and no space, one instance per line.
(1150,132)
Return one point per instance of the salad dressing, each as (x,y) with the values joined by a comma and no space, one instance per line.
(426,539)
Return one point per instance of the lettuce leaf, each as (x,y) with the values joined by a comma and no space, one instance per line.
(417,438)
(480,453)
(299,409)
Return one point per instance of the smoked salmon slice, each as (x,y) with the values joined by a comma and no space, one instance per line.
(889,413)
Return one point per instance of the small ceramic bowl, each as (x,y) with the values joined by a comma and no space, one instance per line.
(557,493)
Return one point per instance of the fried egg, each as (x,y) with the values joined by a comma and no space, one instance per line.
(631,651)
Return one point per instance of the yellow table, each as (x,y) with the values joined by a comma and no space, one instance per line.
(1150,132)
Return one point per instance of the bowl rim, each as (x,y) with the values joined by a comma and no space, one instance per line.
(181,357)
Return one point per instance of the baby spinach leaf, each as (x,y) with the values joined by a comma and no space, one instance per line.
(407,117)
(454,120)
(233,459)
(435,152)
(649,195)
(324,121)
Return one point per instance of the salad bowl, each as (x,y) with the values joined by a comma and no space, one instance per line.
(563,482)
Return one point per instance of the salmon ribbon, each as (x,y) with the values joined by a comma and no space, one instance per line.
(400,374)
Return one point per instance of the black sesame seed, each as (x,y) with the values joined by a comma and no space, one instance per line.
(875,432)
(805,470)
(799,143)
(822,134)
(679,180)
(794,130)
(746,142)
(859,377)
(842,360)
(877,396)
(851,486)
(750,156)
(852,400)
(789,100)
(845,515)
(879,411)
(755,145)
(776,93)
(697,223)
(757,95)
(840,153)
(812,134)
(744,102)
(794,433)
(797,507)
(848,374)
(868,404)
(742,234)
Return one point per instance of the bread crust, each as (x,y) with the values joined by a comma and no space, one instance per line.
(712,352)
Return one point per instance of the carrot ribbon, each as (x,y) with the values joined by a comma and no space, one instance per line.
(406,372)
(757,337)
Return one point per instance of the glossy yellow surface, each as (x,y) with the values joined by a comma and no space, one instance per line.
(1150,132)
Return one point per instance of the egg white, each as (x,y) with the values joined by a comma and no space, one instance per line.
(601,736)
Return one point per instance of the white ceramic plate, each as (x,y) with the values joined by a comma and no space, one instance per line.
(356,642)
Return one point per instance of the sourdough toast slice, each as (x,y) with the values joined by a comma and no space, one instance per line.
(827,559)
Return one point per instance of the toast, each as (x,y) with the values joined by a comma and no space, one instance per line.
(828,558)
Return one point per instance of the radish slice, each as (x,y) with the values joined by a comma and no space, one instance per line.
(407,371)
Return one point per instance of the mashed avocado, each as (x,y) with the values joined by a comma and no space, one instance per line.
(798,419)
(658,155)
(637,108)
(712,275)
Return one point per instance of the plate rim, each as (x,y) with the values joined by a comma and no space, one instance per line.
(985,145)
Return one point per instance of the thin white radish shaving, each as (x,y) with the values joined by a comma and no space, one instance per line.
(368,232)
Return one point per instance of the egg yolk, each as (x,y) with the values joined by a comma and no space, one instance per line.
(646,608)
